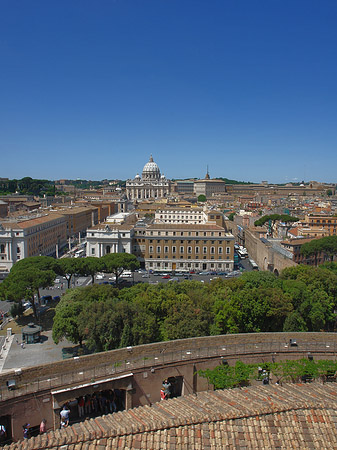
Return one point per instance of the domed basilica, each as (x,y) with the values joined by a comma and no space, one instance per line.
(150,185)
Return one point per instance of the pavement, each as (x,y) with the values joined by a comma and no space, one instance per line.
(46,351)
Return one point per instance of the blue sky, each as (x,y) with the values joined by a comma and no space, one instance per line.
(89,89)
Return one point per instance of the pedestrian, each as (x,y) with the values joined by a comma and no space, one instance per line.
(167,388)
(22,345)
(3,433)
(64,416)
(26,430)
(43,426)
(81,406)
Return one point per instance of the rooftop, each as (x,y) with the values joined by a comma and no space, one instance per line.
(269,417)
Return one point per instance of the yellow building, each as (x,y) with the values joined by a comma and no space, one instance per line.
(185,247)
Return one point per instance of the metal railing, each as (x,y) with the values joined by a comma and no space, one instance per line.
(273,350)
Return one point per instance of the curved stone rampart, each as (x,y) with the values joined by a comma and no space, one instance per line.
(63,373)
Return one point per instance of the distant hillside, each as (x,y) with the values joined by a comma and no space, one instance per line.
(27,186)
(227,181)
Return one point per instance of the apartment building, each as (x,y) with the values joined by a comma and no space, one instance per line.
(41,235)
(322,221)
(180,215)
(189,215)
(294,246)
(185,247)
(78,218)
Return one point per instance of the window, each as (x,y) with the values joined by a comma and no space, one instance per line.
(151,249)
(158,249)
(228,250)
(108,249)
(181,249)
(166,249)
(174,248)
(189,249)
(196,249)
(92,251)
(205,249)
(220,250)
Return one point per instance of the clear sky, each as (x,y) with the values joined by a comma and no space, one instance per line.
(89,89)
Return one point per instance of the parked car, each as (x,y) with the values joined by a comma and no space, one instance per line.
(166,277)
(204,273)
(146,275)
(57,298)
(99,276)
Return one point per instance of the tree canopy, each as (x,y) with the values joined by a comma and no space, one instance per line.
(116,263)
(273,218)
(303,298)
(326,245)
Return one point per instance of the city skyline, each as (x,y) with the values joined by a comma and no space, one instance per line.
(245,88)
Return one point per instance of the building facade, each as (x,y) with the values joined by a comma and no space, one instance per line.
(78,218)
(109,238)
(43,235)
(150,185)
(185,247)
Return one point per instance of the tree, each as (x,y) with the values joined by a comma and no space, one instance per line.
(65,323)
(67,267)
(328,245)
(25,283)
(116,263)
(90,266)
(231,216)
(76,313)
(312,248)
(273,218)
(202,198)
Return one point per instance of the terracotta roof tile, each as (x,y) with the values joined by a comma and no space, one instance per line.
(260,417)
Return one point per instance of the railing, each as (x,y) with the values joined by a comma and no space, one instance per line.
(272,351)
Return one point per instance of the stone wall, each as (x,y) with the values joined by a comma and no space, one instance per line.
(144,368)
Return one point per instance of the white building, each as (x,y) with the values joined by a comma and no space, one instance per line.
(180,215)
(109,238)
(150,185)
(41,235)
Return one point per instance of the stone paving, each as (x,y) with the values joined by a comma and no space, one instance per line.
(43,352)
(293,416)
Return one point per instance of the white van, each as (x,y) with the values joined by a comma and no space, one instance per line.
(126,274)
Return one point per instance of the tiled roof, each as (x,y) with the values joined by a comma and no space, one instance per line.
(260,417)
(38,220)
